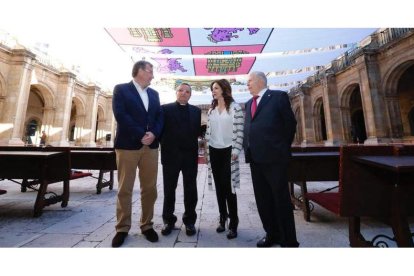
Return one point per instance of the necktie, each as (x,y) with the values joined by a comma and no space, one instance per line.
(254,105)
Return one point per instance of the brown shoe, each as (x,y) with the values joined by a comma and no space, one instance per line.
(119,239)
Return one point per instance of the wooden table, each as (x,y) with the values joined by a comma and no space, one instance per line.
(396,169)
(311,166)
(48,167)
(102,160)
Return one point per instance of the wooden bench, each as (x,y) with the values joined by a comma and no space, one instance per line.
(47,167)
(102,159)
(311,164)
(366,191)
(82,158)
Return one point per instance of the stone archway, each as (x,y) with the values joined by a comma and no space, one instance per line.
(398,87)
(353,118)
(358,128)
(40,105)
(405,92)
(77,121)
(34,117)
(319,121)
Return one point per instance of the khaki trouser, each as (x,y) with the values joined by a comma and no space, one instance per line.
(146,159)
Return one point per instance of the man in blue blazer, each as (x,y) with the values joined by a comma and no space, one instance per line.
(269,130)
(179,152)
(139,120)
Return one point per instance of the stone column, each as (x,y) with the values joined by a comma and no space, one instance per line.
(78,136)
(47,121)
(331,109)
(89,127)
(373,100)
(306,109)
(18,89)
(394,115)
(63,108)
(346,123)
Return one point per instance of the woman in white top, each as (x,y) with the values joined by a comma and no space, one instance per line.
(224,137)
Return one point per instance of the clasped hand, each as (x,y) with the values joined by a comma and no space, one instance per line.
(148,138)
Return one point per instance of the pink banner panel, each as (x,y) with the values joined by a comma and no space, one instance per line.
(151,36)
(224,66)
(228,50)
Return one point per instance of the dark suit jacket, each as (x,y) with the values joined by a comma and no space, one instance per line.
(169,145)
(132,118)
(269,135)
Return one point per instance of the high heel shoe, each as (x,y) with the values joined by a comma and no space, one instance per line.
(222,224)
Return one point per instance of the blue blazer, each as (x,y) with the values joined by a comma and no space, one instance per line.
(269,135)
(132,118)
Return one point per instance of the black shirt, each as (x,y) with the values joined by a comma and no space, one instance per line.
(184,126)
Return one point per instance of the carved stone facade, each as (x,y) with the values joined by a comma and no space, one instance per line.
(366,96)
(35,97)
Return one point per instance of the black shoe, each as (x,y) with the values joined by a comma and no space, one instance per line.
(190,230)
(167,229)
(266,241)
(119,238)
(150,235)
(222,224)
(232,234)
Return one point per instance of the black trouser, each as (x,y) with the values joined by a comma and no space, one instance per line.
(271,191)
(186,162)
(220,160)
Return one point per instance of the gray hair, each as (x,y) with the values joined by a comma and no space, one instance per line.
(261,76)
(184,83)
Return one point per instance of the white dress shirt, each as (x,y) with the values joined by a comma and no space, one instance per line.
(143,94)
(260,96)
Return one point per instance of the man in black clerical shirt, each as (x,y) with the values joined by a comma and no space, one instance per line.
(179,152)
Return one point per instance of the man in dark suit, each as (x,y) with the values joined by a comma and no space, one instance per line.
(138,114)
(179,152)
(269,130)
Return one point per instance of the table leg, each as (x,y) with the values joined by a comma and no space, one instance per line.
(305,201)
(355,237)
(399,223)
